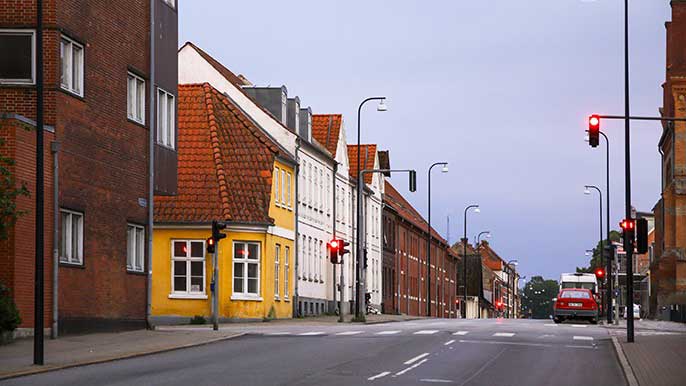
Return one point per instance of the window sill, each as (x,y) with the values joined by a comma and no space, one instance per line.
(132,272)
(278,299)
(160,144)
(135,122)
(72,93)
(252,298)
(188,296)
(72,265)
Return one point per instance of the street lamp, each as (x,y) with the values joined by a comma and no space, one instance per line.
(428,247)
(511,263)
(359,313)
(600,196)
(478,237)
(464,256)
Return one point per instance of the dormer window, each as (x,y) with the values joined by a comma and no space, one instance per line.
(284,105)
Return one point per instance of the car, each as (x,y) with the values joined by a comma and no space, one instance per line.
(575,303)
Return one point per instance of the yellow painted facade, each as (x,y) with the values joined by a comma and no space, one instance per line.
(177,294)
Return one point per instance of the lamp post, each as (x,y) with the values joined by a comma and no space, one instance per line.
(608,265)
(511,263)
(600,197)
(428,247)
(359,313)
(464,256)
(478,237)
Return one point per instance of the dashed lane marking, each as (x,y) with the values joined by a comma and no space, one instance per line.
(551,325)
(312,333)
(349,333)
(278,333)
(448,343)
(380,375)
(388,332)
(426,332)
(576,337)
(580,325)
(436,380)
(506,334)
(410,368)
(418,357)
(461,333)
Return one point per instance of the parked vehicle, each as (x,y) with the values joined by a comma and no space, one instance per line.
(575,303)
(579,280)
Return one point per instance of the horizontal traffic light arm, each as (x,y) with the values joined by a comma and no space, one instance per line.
(622,117)
(411,172)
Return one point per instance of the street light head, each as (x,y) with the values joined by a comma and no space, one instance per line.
(382,105)
(477,210)
(586,191)
(445,168)
(488,235)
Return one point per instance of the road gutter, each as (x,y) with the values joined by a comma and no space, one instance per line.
(49,368)
(624,362)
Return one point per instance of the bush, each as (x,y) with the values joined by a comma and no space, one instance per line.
(9,314)
(198,319)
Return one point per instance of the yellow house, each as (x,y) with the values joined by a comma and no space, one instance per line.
(229,170)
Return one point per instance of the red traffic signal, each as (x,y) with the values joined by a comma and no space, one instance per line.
(599,273)
(210,245)
(594,130)
(627,225)
(334,245)
(629,233)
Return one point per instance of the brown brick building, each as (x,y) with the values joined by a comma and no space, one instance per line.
(405,266)
(98,81)
(668,268)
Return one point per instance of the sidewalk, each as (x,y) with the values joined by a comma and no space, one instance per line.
(76,350)
(651,325)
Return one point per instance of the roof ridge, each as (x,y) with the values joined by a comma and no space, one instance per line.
(216,152)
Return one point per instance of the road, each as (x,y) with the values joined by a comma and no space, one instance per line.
(432,351)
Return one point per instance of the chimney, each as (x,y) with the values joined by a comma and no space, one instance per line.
(305,129)
(293,115)
(273,99)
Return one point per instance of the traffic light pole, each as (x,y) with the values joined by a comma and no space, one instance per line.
(608,263)
(627,179)
(215,284)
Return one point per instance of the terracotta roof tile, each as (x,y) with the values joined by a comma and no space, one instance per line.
(326,129)
(397,202)
(225,163)
(367,156)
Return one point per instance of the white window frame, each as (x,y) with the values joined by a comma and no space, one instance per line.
(67,238)
(188,293)
(245,295)
(283,188)
(73,70)
(166,117)
(286,271)
(277,271)
(135,248)
(289,189)
(33,55)
(277,186)
(135,100)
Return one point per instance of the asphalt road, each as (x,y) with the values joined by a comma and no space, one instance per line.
(460,352)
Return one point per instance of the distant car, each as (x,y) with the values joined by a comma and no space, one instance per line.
(637,311)
(575,303)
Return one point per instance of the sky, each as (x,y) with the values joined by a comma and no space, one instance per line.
(499,89)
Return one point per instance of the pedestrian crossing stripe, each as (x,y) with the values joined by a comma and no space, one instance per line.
(349,333)
(583,337)
(507,334)
(312,333)
(426,332)
(387,332)
(461,333)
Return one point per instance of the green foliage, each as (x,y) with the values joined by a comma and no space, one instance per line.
(9,314)
(595,258)
(272,314)
(8,194)
(198,319)
(537,297)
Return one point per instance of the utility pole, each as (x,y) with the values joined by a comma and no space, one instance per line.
(38,349)
(627,176)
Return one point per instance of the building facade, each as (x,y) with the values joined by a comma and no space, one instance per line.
(108,115)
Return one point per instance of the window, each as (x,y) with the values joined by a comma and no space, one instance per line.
(166,112)
(277,184)
(288,190)
(71,237)
(286,271)
(188,267)
(246,269)
(276,270)
(71,56)
(135,98)
(135,247)
(20,66)
(283,188)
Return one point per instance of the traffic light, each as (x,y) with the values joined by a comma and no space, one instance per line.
(599,273)
(628,233)
(413,181)
(334,250)
(594,130)
(216,236)
(642,235)
(210,245)
(342,248)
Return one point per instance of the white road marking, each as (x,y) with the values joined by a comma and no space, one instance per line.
(349,333)
(312,333)
(507,334)
(380,375)
(576,337)
(415,359)
(461,333)
(425,332)
(279,333)
(411,367)
(550,325)
(580,325)
(546,336)
(448,343)
(388,332)
(575,346)
(436,380)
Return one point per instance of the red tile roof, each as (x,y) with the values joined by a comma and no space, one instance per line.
(225,163)
(326,129)
(397,202)
(368,156)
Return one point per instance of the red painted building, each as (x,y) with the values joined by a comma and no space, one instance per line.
(405,269)
(98,81)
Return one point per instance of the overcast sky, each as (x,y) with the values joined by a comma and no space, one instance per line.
(500,89)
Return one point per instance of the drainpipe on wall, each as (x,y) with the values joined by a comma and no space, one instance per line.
(55,148)
(296,244)
(151,167)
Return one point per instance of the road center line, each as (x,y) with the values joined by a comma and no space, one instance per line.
(436,380)
(380,375)
(461,333)
(349,333)
(576,337)
(388,332)
(418,357)
(411,367)
(448,343)
(312,333)
(425,332)
(507,334)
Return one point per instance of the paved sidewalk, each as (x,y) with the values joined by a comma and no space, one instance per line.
(75,350)
(652,325)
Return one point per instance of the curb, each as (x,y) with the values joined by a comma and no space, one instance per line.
(49,368)
(626,367)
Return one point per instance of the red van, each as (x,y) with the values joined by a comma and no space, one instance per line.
(575,303)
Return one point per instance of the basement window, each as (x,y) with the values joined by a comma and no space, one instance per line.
(17,56)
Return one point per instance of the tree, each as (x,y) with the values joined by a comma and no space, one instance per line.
(595,258)
(8,195)
(537,297)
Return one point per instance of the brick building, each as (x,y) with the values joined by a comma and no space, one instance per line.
(405,266)
(98,82)
(668,268)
